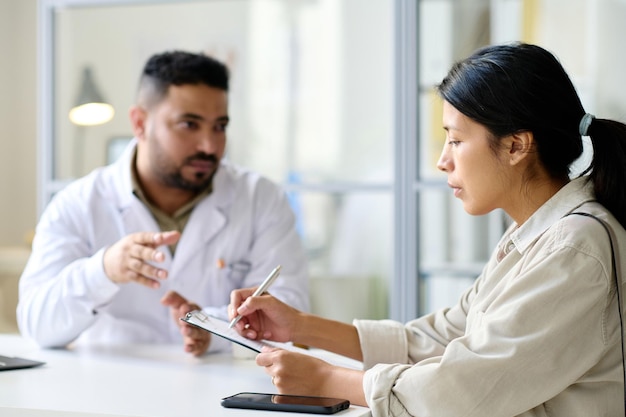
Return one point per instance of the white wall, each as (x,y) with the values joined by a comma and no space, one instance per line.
(18,132)
(18,120)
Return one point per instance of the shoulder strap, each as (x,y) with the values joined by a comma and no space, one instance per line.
(616,273)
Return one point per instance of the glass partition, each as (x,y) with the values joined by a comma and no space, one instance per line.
(311,107)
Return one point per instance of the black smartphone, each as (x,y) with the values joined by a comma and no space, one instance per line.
(282,402)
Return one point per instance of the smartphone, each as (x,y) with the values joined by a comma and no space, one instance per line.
(282,402)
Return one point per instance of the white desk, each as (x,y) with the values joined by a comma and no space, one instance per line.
(133,380)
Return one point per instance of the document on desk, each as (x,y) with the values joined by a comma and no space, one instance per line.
(220,328)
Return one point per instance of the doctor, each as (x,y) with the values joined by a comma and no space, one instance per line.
(121,254)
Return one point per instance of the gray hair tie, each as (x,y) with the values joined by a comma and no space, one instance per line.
(585,122)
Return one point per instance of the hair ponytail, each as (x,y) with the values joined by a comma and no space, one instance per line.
(607,169)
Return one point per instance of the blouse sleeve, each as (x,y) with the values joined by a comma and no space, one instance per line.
(388,341)
(512,354)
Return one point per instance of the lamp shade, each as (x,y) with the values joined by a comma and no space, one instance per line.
(90,109)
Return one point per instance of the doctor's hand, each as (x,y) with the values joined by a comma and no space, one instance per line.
(196,341)
(264,316)
(129,258)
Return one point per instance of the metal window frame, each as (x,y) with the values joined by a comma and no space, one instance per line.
(405,283)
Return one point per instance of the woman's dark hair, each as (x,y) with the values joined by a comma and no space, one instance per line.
(520,87)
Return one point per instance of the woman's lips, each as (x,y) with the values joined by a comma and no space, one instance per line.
(455,189)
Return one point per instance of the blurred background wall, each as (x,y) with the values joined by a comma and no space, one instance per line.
(18,120)
(18,138)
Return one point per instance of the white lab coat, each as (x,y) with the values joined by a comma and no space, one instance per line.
(65,296)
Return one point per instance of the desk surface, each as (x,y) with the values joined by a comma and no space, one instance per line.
(129,380)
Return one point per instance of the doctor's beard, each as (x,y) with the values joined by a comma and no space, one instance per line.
(173,176)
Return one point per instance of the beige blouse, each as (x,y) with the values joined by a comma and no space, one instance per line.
(538,334)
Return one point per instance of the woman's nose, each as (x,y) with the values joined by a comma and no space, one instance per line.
(443,163)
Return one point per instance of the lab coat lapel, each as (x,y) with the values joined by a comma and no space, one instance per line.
(134,215)
(137,218)
(205,223)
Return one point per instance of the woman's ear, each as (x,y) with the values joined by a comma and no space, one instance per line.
(519,145)
(137,116)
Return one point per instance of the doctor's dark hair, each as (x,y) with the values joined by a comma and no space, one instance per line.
(179,68)
(520,87)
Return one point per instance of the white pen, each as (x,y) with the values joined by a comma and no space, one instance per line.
(262,288)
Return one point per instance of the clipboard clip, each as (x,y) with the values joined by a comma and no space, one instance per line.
(199,314)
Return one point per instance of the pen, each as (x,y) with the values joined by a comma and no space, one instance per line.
(262,288)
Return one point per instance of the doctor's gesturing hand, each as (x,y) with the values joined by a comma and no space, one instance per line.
(129,259)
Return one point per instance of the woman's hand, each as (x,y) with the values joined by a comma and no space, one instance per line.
(298,374)
(295,373)
(264,316)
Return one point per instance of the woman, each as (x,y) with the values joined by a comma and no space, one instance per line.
(539,333)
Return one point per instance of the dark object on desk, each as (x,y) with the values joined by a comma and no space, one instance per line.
(280,402)
(7,363)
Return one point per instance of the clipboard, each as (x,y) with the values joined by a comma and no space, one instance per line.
(219,327)
(8,363)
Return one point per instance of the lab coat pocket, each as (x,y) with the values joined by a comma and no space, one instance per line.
(235,273)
